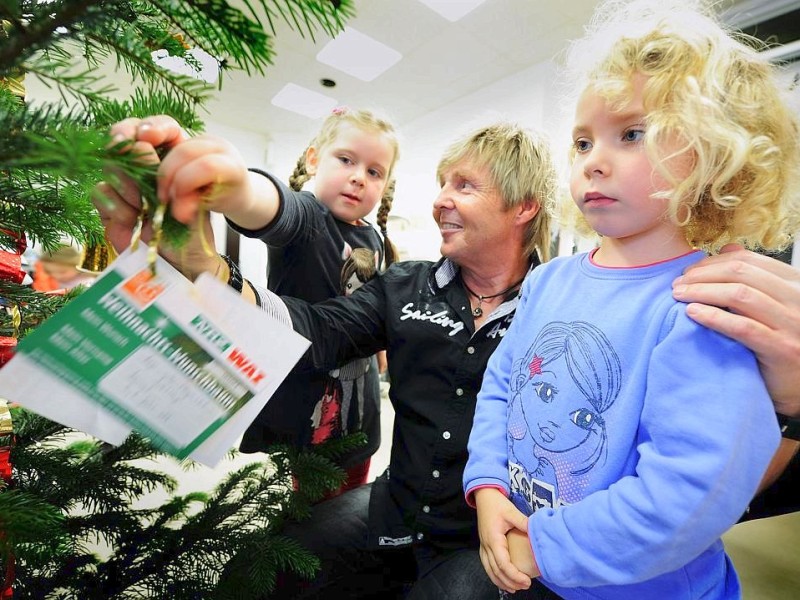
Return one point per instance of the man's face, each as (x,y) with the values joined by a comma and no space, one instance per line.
(471,214)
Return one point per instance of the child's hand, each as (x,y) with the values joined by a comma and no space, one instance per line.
(119,204)
(496,517)
(519,547)
(146,136)
(203,171)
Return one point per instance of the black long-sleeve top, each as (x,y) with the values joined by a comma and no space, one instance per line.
(419,312)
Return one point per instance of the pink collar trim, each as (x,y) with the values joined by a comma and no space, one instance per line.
(592,253)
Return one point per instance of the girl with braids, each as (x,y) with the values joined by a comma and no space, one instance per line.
(309,237)
(615,439)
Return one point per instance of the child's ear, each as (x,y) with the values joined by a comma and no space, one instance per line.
(312,160)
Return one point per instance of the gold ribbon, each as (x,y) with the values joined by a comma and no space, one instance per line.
(158,222)
(16,318)
(136,235)
(6,426)
(152,248)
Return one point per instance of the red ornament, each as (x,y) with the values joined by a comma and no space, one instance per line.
(11,259)
(7,347)
(7,578)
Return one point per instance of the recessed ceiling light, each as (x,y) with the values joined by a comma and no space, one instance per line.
(358,55)
(453,10)
(303,101)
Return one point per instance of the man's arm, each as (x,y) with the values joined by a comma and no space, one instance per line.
(341,328)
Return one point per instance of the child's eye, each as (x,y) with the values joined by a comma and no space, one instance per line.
(633,135)
(345,160)
(582,145)
(375,173)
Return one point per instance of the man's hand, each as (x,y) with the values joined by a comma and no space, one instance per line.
(763,295)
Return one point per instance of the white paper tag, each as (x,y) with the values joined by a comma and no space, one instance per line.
(188,366)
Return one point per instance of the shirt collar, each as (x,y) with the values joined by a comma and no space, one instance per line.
(443,273)
(446,270)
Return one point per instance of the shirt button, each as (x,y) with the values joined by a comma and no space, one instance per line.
(459,392)
(446,435)
(435,474)
(471,350)
(426,509)
(420,536)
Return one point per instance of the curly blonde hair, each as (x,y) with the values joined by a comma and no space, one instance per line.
(522,169)
(707,86)
(366,121)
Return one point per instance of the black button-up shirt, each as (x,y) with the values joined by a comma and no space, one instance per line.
(419,312)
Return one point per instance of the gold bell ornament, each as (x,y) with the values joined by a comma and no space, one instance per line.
(97,257)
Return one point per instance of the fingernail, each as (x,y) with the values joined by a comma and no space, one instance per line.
(678,290)
(144,126)
(695,310)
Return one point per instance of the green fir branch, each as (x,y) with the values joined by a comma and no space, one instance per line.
(192,546)
(305,16)
(29,524)
(33,306)
(34,27)
(58,69)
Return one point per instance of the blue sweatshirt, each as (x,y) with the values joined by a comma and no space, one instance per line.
(632,436)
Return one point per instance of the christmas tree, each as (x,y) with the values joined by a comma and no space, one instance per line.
(72,521)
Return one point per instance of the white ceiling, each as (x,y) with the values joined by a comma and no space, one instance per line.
(441,62)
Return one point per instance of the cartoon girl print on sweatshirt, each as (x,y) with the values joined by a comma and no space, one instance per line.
(332,413)
(560,389)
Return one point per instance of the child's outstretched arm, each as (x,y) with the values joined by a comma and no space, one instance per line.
(497,516)
(209,172)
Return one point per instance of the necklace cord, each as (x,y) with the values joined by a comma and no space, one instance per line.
(478,311)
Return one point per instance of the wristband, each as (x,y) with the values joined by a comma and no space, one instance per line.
(235,277)
(790,427)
